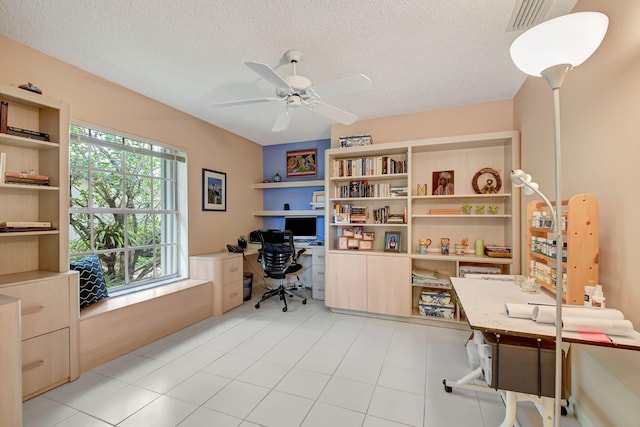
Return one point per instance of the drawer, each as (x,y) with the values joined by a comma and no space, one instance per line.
(318,257)
(231,270)
(317,273)
(44,305)
(232,296)
(45,362)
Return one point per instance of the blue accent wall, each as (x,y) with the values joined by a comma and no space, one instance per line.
(274,158)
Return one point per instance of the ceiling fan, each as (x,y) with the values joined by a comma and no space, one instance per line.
(295,91)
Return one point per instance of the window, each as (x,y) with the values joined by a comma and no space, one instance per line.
(124,206)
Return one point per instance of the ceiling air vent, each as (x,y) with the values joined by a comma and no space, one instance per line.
(527,13)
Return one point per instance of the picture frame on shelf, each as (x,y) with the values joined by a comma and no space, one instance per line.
(357,231)
(365,245)
(353,243)
(347,232)
(301,163)
(341,218)
(368,235)
(214,190)
(392,241)
(342,242)
(442,183)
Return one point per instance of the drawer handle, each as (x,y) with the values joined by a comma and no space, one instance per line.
(32,365)
(32,309)
(233,270)
(320,273)
(234,294)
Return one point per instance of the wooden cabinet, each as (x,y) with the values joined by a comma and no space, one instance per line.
(374,283)
(581,240)
(387,278)
(346,281)
(393,184)
(34,264)
(224,270)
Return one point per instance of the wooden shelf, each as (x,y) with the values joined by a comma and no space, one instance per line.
(288,184)
(582,241)
(464,196)
(488,216)
(309,212)
(28,233)
(367,199)
(21,187)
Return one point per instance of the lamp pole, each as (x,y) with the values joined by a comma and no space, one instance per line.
(555,76)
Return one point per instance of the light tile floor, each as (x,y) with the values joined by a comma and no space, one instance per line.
(307,367)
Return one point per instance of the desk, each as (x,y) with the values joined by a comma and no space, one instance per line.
(484,304)
(313,263)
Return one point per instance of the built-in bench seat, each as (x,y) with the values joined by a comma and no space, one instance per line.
(121,324)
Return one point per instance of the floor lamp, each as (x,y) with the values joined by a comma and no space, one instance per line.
(550,50)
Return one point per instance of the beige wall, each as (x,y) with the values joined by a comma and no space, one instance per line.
(600,110)
(465,120)
(95,100)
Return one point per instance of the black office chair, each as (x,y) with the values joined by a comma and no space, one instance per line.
(278,258)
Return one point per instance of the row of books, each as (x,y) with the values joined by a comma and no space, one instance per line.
(12,130)
(357,189)
(385,216)
(380,165)
(349,213)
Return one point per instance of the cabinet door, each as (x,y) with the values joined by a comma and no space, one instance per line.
(346,285)
(389,285)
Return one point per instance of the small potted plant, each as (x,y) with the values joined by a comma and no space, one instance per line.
(493,209)
(466,209)
(480,209)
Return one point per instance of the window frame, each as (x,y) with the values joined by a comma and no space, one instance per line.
(173,210)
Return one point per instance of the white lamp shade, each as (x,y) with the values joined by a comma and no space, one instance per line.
(568,39)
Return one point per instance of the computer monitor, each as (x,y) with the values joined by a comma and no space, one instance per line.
(302,227)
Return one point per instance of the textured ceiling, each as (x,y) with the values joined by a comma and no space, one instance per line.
(420,54)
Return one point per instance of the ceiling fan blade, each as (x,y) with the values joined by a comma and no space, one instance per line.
(333,113)
(282,120)
(246,101)
(268,74)
(348,84)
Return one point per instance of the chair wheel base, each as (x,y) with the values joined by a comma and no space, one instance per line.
(284,309)
(304,301)
(258,305)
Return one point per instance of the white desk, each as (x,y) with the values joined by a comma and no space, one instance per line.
(483,302)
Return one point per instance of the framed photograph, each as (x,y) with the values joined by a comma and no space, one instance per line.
(442,183)
(347,232)
(342,242)
(368,235)
(353,243)
(302,163)
(357,232)
(392,241)
(214,190)
(366,245)
(341,218)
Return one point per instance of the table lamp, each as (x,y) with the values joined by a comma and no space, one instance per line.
(550,50)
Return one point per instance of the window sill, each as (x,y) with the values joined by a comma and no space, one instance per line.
(131,298)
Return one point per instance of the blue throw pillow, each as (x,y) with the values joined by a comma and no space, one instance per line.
(92,285)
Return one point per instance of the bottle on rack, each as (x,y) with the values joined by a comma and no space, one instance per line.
(598,297)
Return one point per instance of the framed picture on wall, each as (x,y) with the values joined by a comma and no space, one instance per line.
(302,163)
(214,190)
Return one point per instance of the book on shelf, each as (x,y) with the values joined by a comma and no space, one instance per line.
(25,178)
(25,224)
(4,111)
(3,166)
(26,133)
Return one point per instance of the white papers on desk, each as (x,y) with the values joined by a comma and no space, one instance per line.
(520,311)
(575,319)
(547,313)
